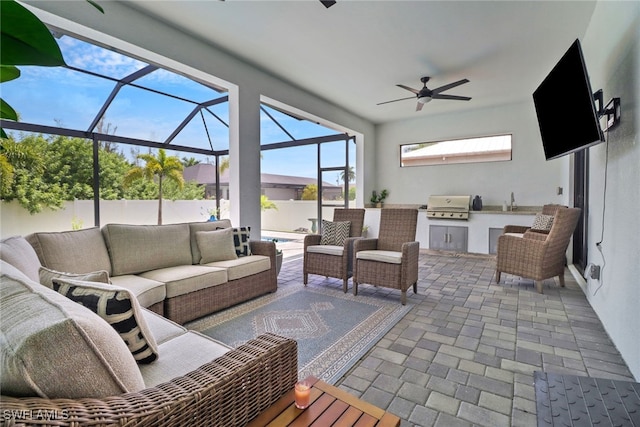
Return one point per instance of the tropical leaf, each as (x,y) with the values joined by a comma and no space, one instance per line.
(25,40)
(6,112)
(8,73)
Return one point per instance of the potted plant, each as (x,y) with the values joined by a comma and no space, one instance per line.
(377,199)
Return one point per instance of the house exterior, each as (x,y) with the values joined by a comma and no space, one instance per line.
(275,187)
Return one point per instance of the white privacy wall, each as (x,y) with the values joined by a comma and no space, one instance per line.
(612,53)
(533,180)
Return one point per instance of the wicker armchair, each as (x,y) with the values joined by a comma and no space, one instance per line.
(332,261)
(521,229)
(391,260)
(538,256)
(229,391)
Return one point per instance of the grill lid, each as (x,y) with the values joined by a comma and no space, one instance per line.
(448,207)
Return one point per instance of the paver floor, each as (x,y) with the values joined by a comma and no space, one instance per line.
(466,353)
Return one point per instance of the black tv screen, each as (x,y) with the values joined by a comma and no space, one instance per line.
(565,107)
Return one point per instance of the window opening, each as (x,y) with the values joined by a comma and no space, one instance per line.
(467,150)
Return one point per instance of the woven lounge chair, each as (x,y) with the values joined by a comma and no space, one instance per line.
(391,260)
(333,260)
(538,256)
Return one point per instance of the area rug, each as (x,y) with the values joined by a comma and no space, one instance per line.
(333,329)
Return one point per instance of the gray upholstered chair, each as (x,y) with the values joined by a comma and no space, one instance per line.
(538,256)
(391,260)
(333,260)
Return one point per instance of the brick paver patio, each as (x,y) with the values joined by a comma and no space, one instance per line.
(465,354)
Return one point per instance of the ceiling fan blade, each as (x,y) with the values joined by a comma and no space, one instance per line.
(419,106)
(451,97)
(410,89)
(395,100)
(449,86)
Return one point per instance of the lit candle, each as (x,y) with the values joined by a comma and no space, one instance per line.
(303,394)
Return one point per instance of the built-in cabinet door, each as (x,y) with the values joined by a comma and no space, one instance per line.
(448,238)
(494,233)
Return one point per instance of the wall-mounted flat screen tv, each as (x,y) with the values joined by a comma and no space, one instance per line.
(565,107)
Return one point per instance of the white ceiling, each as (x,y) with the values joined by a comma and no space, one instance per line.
(354,53)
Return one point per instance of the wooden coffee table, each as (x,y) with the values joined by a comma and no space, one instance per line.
(330,406)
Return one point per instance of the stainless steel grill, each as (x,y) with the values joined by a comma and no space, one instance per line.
(448,207)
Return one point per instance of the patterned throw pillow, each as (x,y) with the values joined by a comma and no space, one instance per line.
(542,222)
(47,275)
(241,241)
(335,233)
(119,308)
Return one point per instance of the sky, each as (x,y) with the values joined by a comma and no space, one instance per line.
(57,96)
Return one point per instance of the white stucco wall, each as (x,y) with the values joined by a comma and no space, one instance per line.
(533,180)
(612,53)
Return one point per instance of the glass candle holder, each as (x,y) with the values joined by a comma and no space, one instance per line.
(302,394)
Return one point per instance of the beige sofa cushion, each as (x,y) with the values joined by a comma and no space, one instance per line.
(147,291)
(78,251)
(187,278)
(243,266)
(47,275)
(120,308)
(326,249)
(194,227)
(167,367)
(55,348)
(162,328)
(19,253)
(138,248)
(216,245)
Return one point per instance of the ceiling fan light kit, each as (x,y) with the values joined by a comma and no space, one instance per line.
(425,94)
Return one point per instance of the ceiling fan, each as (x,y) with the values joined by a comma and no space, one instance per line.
(425,94)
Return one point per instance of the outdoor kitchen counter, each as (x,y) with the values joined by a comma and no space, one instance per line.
(482,226)
(520,210)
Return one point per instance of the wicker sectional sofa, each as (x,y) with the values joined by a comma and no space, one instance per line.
(161,265)
(65,363)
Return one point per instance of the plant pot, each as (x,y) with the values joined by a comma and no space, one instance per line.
(379,205)
(278,263)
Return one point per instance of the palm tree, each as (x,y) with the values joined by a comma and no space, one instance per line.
(351,175)
(162,166)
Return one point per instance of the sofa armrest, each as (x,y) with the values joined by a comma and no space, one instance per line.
(228,391)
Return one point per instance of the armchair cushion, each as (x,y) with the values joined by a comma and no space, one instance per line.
(326,249)
(119,308)
(335,233)
(391,257)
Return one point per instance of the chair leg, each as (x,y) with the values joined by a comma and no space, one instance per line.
(561,277)
(539,286)
(305,278)
(403,297)
(344,285)
(498,276)
(415,288)
(355,288)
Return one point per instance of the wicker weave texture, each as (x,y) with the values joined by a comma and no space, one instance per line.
(183,308)
(229,391)
(339,267)
(397,233)
(538,256)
